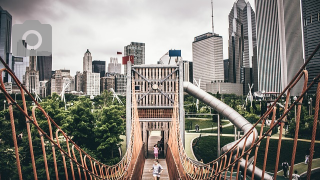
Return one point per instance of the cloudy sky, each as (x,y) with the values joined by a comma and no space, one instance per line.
(106,26)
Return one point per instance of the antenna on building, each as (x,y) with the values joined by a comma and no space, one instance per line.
(212,16)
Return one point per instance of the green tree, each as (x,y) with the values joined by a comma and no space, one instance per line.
(109,127)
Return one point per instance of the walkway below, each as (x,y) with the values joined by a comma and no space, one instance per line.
(153,139)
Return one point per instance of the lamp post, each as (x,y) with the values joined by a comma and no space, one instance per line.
(310,106)
(218,144)
(295,108)
(4,105)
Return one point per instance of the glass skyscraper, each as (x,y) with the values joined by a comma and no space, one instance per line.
(5,39)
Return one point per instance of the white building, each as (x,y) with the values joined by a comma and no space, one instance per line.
(20,66)
(207,52)
(91,81)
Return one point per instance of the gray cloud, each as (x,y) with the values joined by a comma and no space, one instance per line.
(105,27)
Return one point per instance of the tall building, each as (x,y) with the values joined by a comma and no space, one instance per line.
(99,67)
(91,81)
(188,71)
(106,83)
(87,61)
(5,40)
(60,79)
(279,44)
(20,66)
(137,50)
(311,34)
(32,75)
(78,81)
(242,41)
(226,70)
(44,66)
(121,84)
(114,67)
(207,52)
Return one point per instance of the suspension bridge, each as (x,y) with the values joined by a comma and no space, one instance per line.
(155,103)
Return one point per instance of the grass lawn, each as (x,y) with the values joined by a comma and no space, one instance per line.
(206,149)
(230,130)
(203,123)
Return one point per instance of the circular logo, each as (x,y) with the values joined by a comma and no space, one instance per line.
(155,87)
(26,34)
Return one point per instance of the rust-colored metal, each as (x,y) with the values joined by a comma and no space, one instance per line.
(314,131)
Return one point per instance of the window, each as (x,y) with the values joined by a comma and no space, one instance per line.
(318,16)
(311,19)
(137,88)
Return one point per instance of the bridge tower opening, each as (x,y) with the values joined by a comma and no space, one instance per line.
(155,90)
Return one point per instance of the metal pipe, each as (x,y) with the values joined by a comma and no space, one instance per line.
(234,117)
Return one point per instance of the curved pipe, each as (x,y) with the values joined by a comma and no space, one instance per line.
(234,117)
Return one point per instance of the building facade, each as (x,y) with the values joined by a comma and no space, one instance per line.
(92,83)
(279,44)
(113,66)
(32,76)
(137,50)
(242,43)
(225,88)
(120,84)
(207,52)
(188,71)
(20,66)
(60,79)
(311,34)
(5,40)
(87,61)
(106,83)
(44,66)
(99,67)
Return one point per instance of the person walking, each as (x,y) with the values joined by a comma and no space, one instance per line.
(155,151)
(285,167)
(157,170)
(295,176)
(307,156)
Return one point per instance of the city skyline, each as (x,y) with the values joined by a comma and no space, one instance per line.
(113,25)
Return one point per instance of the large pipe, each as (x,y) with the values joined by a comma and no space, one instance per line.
(234,117)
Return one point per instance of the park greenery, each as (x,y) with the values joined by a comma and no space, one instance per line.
(95,125)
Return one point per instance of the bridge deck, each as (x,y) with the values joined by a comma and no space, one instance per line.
(153,139)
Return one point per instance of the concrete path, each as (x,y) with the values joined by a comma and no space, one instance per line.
(153,139)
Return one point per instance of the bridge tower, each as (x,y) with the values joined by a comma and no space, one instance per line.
(155,88)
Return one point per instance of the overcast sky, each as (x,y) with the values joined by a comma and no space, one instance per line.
(106,26)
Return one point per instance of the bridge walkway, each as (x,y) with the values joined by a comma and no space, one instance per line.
(153,139)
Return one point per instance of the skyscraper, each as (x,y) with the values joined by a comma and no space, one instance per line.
(32,75)
(20,65)
(137,50)
(5,39)
(114,67)
(207,52)
(242,40)
(44,66)
(87,61)
(279,44)
(99,67)
(311,34)
(91,81)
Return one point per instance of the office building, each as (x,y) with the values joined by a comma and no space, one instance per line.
(226,70)
(207,52)
(91,81)
(279,44)
(188,71)
(20,66)
(106,83)
(99,67)
(137,50)
(78,82)
(44,66)
(311,34)
(60,79)
(242,43)
(87,61)
(224,88)
(32,75)
(113,66)
(5,40)
(120,84)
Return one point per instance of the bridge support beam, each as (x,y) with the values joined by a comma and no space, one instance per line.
(128,104)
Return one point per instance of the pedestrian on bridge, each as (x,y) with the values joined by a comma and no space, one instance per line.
(155,151)
(157,170)
(285,167)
